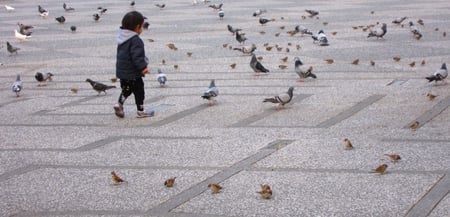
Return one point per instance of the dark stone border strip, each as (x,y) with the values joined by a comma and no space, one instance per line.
(429,115)
(247,121)
(199,188)
(178,116)
(431,199)
(350,111)
(417,140)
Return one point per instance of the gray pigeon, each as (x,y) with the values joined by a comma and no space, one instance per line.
(246,49)
(221,14)
(302,70)
(257,66)
(11,49)
(17,86)
(414,30)
(439,75)
(233,30)
(379,33)
(60,19)
(99,87)
(258,12)
(399,20)
(302,30)
(312,13)
(68,9)
(42,78)
(162,78)
(96,17)
(321,38)
(240,37)
(282,99)
(216,6)
(211,93)
(42,12)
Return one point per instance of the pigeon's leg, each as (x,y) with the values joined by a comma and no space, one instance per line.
(300,80)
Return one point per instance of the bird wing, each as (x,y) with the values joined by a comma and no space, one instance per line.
(260,68)
(284,98)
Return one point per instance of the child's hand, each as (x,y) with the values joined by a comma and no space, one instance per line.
(145,71)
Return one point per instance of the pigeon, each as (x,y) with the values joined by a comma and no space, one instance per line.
(160,6)
(302,70)
(281,99)
(302,30)
(240,37)
(42,78)
(24,29)
(20,36)
(439,75)
(146,25)
(258,12)
(221,14)
(96,17)
(60,19)
(379,33)
(399,20)
(257,66)
(263,21)
(11,49)
(17,86)
(216,6)
(99,87)
(42,12)
(233,30)
(246,49)
(321,38)
(415,31)
(73,28)
(312,13)
(162,78)
(211,93)
(68,9)
(9,8)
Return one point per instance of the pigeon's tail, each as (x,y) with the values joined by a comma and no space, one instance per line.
(272,100)
(238,48)
(109,87)
(312,75)
(432,78)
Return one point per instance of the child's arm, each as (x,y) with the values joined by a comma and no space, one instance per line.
(145,71)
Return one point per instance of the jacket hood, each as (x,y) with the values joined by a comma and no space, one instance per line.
(124,34)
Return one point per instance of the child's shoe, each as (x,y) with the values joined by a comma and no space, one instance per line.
(146,113)
(119,110)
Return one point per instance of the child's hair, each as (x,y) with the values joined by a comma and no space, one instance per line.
(132,19)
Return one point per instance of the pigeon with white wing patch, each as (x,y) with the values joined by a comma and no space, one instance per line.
(281,99)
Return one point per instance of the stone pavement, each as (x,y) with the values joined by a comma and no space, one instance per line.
(58,148)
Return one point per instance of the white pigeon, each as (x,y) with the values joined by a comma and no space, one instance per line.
(321,38)
(246,49)
(162,78)
(211,93)
(302,70)
(281,99)
(9,8)
(439,75)
(17,86)
(20,36)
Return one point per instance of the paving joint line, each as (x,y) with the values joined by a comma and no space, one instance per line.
(430,114)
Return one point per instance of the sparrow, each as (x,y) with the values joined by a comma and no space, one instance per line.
(347,144)
(379,33)
(11,49)
(355,62)
(380,169)
(282,67)
(414,125)
(169,182)
(99,87)
(17,86)
(189,54)
(172,46)
(42,78)
(257,66)
(60,19)
(439,75)
(215,188)
(423,63)
(431,96)
(284,59)
(394,157)
(329,61)
(266,192)
(74,90)
(396,59)
(414,30)
(399,20)
(116,179)
(420,21)
(372,63)
(412,64)
(281,99)
(113,80)
(233,65)
(160,6)
(96,17)
(246,49)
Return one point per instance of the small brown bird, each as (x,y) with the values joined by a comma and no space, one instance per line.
(422,63)
(333,33)
(266,44)
(113,80)
(287,50)
(380,169)
(289,44)
(444,34)
(372,63)
(260,58)
(355,62)
(396,59)
(265,193)
(277,34)
(172,46)
(431,96)
(414,125)
(420,21)
(325,23)
(169,182)
(279,48)
(265,187)
(412,64)
(348,144)
(189,54)
(394,157)
(329,61)
(262,32)
(291,33)
(116,179)
(436,29)
(297,46)
(282,67)
(225,45)
(269,48)
(355,27)
(74,90)
(163,61)
(215,188)
(175,66)
(150,40)
(233,65)
(282,27)
(284,59)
